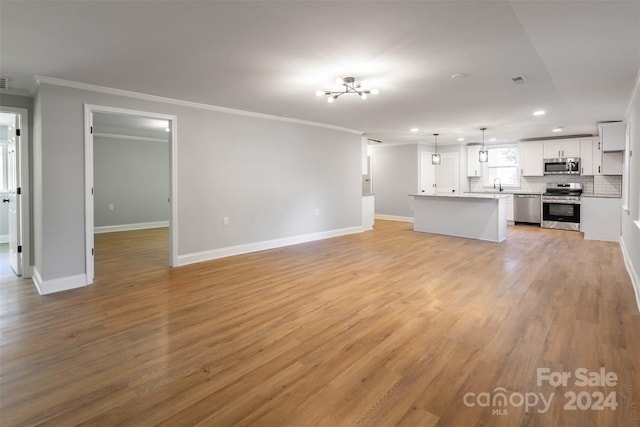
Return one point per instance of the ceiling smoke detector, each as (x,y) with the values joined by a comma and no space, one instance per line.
(5,82)
(518,80)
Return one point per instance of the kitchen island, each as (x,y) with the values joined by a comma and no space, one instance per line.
(474,216)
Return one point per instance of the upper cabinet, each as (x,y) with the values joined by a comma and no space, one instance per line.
(587,156)
(531,158)
(612,136)
(473,161)
(561,148)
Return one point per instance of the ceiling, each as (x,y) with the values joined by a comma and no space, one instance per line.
(580,59)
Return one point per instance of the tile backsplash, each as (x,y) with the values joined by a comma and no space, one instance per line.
(602,185)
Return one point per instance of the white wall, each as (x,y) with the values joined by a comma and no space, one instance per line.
(133,176)
(631,231)
(267,175)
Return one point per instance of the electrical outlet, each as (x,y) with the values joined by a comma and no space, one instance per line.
(317,211)
(225,220)
(111,207)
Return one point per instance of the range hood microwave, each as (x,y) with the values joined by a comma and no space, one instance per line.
(563,166)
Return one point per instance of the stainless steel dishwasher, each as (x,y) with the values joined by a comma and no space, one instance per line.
(527,208)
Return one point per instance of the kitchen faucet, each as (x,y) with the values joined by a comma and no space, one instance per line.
(499,184)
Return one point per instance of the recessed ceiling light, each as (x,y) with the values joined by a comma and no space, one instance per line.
(558,129)
(539,113)
(458,75)
(414,129)
(492,139)
(460,139)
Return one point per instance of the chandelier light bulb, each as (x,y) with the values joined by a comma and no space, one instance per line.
(374,91)
(320,92)
(363,95)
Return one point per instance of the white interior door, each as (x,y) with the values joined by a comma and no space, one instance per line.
(427,174)
(13,157)
(447,174)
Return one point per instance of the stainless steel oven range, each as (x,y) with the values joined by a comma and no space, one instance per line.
(561,206)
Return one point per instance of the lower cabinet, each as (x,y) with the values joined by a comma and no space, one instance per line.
(600,218)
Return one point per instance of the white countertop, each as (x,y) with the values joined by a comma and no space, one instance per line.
(464,195)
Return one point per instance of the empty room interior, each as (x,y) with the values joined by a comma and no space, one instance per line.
(283,213)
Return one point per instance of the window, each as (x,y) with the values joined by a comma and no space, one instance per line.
(503,165)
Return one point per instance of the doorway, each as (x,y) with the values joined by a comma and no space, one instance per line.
(130,187)
(14,192)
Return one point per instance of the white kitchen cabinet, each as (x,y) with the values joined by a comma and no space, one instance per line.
(600,218)
(609,163)
(531,158)
(612,136)
(596,160)
(586,156)
(474,167)
(561,148)
(612,163)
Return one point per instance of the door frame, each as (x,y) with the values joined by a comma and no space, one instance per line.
(89,110)
(22,167)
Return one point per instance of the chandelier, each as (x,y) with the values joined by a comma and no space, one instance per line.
(350,86)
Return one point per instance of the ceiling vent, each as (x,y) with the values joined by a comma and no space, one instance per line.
(375,141)
(518,80)
(5,82)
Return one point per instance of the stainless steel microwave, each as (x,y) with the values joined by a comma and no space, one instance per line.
(564,166)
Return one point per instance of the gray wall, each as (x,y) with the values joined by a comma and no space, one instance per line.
(268,176)
(631,232)
(132,175)
(395,176)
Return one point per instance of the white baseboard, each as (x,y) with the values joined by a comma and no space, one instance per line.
(264,245)
(394,218)
(4,238)
(58,285)
(130,227)
(635,281)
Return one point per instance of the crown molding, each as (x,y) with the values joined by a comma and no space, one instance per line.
(182,103)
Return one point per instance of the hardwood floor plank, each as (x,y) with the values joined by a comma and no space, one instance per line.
(388,327)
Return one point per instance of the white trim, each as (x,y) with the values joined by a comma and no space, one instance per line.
(24,231)
(58,285)
(131,227)
(155,98)
(394,218)
(130,138)
(4,238)
(264,245)
(633,274)
(89,110)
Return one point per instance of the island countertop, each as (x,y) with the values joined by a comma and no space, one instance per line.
(464,195)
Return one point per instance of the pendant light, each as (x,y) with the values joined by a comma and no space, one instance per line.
(483,154)
(435,157)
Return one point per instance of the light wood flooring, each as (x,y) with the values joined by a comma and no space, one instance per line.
(388,327)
